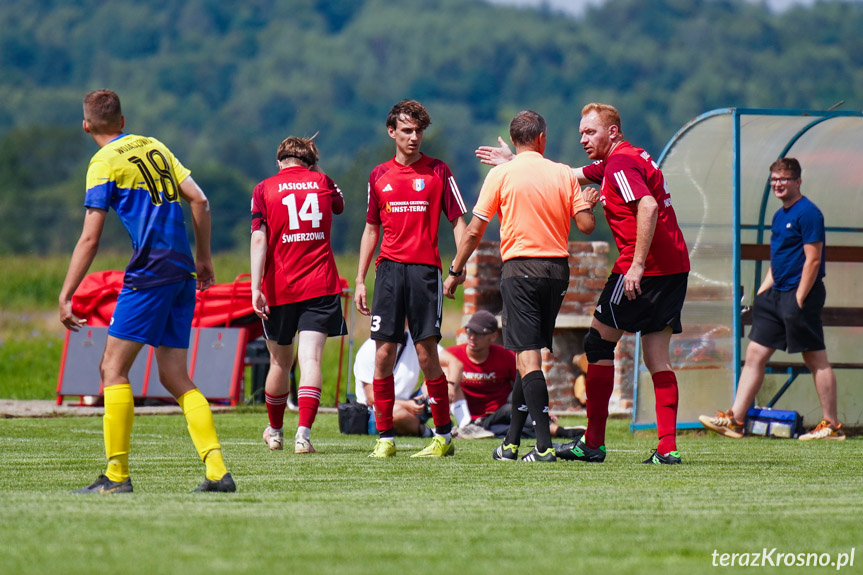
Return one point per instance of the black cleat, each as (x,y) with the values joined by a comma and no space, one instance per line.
(105,485)
(223,485)
(578,451)
(546,456)
(670,458)
(505,452)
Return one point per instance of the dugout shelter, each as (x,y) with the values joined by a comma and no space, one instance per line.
(717,169)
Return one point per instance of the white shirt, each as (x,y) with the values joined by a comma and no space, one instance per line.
(405,373)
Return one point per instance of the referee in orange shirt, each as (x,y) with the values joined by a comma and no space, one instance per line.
(535,200)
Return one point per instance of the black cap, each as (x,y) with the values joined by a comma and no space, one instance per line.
(482,322)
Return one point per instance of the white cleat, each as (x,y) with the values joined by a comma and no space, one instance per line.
(274,438)
(303,444)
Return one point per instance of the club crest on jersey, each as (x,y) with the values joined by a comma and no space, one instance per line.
(419,184)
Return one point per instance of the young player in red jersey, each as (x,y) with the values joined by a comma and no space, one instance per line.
(406,196)
(295,284)
(647,286)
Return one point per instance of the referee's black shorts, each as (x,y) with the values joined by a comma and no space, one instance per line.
(659,305)
(532,290)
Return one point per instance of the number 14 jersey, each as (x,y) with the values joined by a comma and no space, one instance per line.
(297,206)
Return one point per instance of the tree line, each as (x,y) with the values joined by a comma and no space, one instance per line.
(222,82)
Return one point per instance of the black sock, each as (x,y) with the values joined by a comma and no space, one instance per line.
(519,414)
(536,397)
(387,433)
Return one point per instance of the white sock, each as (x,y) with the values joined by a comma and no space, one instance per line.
(461,412)
(304,432)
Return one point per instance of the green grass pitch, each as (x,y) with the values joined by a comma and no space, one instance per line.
(339,512)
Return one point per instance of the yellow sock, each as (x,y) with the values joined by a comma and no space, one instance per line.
(117,426)
(199,419)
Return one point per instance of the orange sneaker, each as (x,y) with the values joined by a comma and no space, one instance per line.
(723,423)
(825,430)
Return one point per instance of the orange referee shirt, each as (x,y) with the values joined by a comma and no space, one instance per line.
(535,200)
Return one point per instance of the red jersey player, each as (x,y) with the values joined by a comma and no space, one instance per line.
(647,286)
(295,285)
(406,196)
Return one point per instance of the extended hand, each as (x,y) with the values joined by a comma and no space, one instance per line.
(494,156)
(591,194)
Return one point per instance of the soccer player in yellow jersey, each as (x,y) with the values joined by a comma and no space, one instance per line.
(142,180)
(536,200)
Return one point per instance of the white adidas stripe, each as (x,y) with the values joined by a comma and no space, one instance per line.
(617,294)
(623,184)
(455,191)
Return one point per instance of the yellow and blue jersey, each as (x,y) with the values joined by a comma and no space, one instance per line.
(140,179)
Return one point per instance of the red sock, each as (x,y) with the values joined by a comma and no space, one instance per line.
(385,398)
(308,400)
(439,403)
(665,389)
(276,409)
(599,384)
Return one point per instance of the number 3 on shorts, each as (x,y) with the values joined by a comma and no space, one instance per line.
(376,322)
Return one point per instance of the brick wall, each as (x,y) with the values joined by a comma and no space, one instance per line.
(589,269)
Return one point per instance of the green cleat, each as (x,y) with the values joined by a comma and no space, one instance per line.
(670,458)
(105,485)
(384,448)
(579,451)
(437,448)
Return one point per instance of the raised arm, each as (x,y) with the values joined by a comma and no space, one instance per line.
(200,207)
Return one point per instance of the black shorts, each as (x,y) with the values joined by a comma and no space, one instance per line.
(322,314)
(777,322)
(406,291)
(532,290)
(657,308)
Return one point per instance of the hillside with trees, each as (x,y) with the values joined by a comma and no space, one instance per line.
(222,82)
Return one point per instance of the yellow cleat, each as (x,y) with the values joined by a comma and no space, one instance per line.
(437,448)
(384,448)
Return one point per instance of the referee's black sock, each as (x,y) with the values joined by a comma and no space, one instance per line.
(536,396)
(518,417)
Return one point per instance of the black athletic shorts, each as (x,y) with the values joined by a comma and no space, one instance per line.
(658,306)
(532,290)
(777,322)
(322,314)
(406,291)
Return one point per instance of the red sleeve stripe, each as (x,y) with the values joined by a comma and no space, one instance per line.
(455,192)
(623,185)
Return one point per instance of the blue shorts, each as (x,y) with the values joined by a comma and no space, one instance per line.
(157,316)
